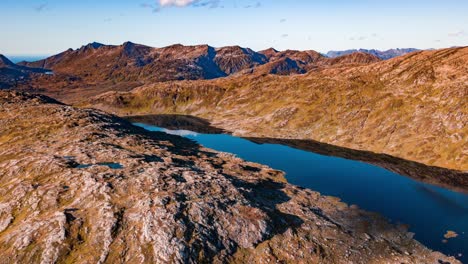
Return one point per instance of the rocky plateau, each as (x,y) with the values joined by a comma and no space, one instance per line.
(83,186)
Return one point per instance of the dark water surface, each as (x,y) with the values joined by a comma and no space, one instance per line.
(430,211)
(111,165)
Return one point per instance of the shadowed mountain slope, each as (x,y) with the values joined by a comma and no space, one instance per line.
(11,73)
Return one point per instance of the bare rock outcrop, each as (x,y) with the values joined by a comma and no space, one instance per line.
(82,186)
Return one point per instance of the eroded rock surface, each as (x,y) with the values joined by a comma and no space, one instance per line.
(169,200)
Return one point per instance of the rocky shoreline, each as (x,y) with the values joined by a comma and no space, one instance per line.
(450,179)
(410,107)
(169,200)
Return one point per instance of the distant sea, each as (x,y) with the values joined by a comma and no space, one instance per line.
(18,58)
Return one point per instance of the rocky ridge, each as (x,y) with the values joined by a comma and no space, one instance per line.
(98,67)
(79,185)
(384,55)
(412,107)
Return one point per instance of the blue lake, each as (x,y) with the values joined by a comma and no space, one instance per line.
(430,211)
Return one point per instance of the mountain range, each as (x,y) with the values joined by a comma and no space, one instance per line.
(137,64)
(96,62)
(130,62)
(384,55)
(95,68)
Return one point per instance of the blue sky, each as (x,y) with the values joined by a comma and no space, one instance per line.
(50,26)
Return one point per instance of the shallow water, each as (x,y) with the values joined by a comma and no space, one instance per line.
(430,211)
(110,165)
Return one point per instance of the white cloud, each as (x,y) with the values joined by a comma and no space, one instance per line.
(179,3)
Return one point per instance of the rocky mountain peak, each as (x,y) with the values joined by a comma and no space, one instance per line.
(128,44)
(90,46)
(354,58)
(232,59)
(269,52)
(95,45)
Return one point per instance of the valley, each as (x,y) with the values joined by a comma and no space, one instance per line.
(407,114)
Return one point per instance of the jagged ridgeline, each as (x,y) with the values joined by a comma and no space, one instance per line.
(109,67)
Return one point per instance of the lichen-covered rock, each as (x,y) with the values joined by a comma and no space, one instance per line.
(81,186)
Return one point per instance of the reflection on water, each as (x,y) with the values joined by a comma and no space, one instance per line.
(182,133)
(184,125)
(450,179)
(178,122)
(429,210)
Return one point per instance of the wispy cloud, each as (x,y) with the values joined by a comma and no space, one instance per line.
(40,7)
(178,3)
(256,5)
(364,37)
(154,8)
(284,35)
(458,33)
(207,3)
(283,20)
(202,3)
